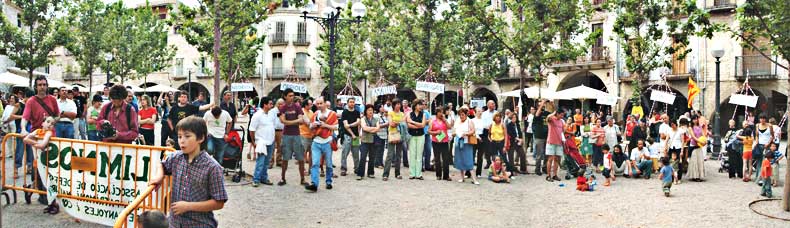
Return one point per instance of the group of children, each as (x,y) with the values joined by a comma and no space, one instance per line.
(770,160)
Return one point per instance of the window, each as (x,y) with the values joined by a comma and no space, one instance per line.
(300,63)
(179,67)
(284,4)
(678,65)
(280,27)
(277,63)
(18,21)
(301,34)
(597,48)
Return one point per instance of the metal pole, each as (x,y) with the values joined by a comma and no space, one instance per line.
(717,118)
(189,73)
(332,22)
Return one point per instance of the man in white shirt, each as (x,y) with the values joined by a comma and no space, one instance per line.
(487,119)
(219,124)
(640,162)
(325,123)
(528,130)
(64,128)
(262,127)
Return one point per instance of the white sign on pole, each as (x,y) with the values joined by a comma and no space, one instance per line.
(344,98)
(430,87)
(112,164)
(477,102)
(299,88)
(662,97)
(241,87)
(607,100)
(378,91)
(745,100)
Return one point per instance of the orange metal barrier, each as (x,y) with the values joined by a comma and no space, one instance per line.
(76,172)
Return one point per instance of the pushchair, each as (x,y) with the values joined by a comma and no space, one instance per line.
(231,161)
(724,163)
(573,160)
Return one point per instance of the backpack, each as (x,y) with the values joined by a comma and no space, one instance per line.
(128,114)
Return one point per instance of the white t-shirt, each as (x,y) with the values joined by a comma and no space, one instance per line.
(479,125)
(655,149)
(277,124)
(606,162)
(216,126)
(676,138)
(664,128)
(529,122)
(611,134)
(461,128)
(636,153)
(263,126)
(488,119)
(67,105)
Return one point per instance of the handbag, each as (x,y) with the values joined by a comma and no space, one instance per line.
(472,139)
(393,137)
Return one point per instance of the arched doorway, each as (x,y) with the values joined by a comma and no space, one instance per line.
(276,93)
(338,89)
(677,108)
(738,112)
(444,99)
(197,88)
(588,79)
(486,94)
(147,84)
(406,94)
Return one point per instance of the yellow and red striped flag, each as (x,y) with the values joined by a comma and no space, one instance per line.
(693,91)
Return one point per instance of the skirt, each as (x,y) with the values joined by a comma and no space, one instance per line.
(464,158)
(586,148)
(696,167)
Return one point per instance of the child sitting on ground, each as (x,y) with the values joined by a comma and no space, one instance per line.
(497,173)
(152,219)
(765,175)
(591,183)
(667,174)
(607,165)
(581,182)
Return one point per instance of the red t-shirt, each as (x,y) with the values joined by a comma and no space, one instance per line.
(35,114)
(767,169)
(145,114)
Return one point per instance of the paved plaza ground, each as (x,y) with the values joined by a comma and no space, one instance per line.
(529,201)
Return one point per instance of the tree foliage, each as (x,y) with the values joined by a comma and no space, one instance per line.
(87,26)
(29,46)
(651,31)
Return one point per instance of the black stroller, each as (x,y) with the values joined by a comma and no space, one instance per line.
(231,162)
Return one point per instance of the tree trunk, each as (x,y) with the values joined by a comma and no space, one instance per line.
(216,50)
(786,192)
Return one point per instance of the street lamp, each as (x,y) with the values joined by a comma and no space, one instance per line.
(329,21)
(108,57)
(717,53)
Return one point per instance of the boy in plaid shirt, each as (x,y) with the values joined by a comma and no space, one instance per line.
(198,182)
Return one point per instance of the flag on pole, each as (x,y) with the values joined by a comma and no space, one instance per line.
(693,91)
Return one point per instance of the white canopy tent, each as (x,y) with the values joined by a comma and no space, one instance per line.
(533,92)
(160,88)
(581,92)
(12,79)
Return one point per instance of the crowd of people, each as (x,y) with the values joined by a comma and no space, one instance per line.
(479,142)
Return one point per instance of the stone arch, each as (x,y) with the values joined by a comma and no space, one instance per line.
(677,108)
(196,89)
(406,94)
(730,111)
(585,78)
(443,99)
(338,88)
(487,94)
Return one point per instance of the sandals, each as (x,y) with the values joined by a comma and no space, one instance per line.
(398,177)
(420,178)
(52,209)
(281,183)
(385,178)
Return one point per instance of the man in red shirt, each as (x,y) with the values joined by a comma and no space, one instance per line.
(116,112)
(37,109)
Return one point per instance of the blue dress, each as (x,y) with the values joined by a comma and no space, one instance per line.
(464,158)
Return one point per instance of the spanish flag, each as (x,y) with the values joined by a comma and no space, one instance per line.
(693,91)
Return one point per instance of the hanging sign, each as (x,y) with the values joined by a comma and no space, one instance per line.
(477,102)
(745,100)
(344,98)
(607,100)
(662,97)
(378,91)
(299,88)
(241,87)
(104,171)
(430,87)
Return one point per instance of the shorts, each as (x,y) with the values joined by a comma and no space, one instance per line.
(606,173)
(747,155)
(291,147)
(667,185)
(554,150)
(307,143)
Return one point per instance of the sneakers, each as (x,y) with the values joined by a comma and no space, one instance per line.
(255,184)
(556,178)
(359,178)
(311,187)
(267,182)
(329,186)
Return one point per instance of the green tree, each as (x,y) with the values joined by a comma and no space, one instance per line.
(226,29)
(29,46)
(138,42)
(767,20)
(539,33)
(86,27)
(645,28)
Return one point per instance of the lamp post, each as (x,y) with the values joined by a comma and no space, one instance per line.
(108,57)
(717,53)
(329,22)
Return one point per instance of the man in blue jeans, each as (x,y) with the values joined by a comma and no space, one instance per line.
(64,128)
(262,127)
(219,125)
(324,123)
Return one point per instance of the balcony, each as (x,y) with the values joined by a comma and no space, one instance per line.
(596,58)
(276,39)
(282,73)
(73,77)
(301,39)
(721,6)
(598,4)
(514,74)
(755,66)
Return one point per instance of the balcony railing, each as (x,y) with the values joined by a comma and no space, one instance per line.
(73,77)
(755,66)
(301,39)
(278,39)
(596,58)
(720,5)
(282,73)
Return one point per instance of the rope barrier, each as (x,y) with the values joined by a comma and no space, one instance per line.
(763,214)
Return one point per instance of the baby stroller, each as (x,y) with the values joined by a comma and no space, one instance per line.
(573,160)
(724,163)
(231,162)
